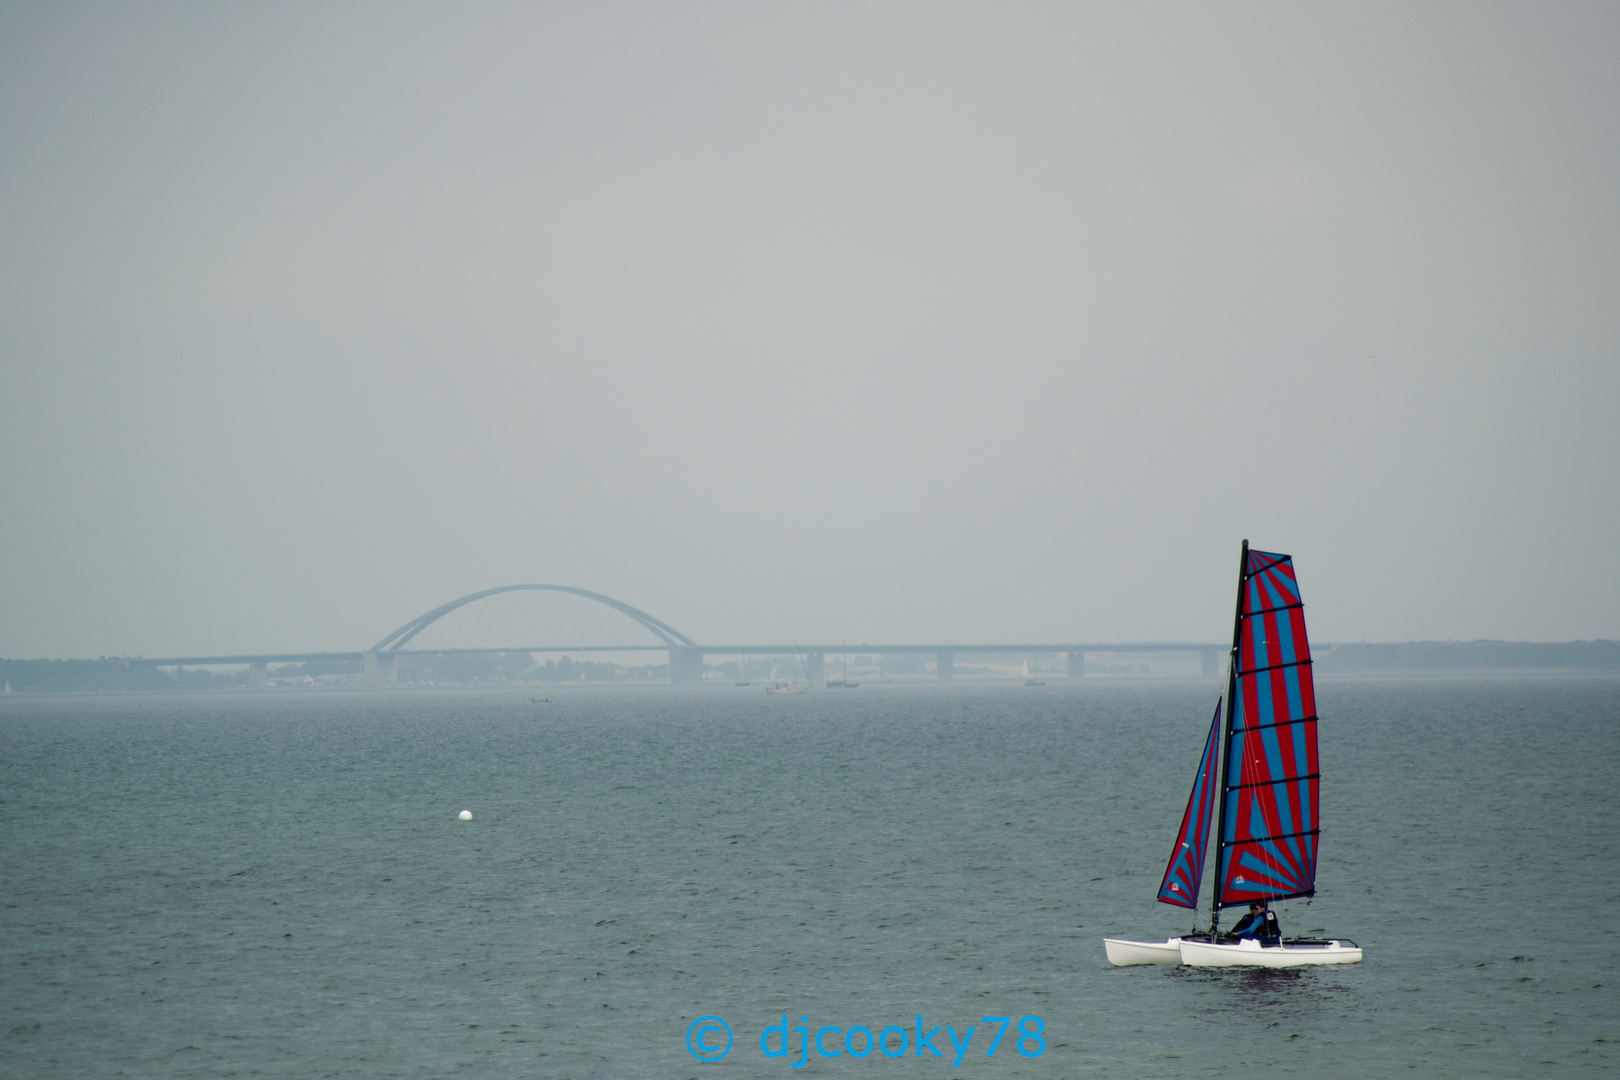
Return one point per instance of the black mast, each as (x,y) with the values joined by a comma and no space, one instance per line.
(1224,764)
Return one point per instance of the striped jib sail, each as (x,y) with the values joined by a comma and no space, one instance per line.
(1185,873)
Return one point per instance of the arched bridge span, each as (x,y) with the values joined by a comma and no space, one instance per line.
(381,661)
(396,641)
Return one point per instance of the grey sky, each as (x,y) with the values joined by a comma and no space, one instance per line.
(894,321)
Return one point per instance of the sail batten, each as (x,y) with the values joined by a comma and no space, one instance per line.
(1277,724)
(1185,872)
(1269,778)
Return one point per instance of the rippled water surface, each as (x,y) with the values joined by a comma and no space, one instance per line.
(277,885)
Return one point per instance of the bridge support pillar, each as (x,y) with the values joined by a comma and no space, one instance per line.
(815,669)
(945,666)
(258,676)
(1209,657)
(381,670)
(1077,664)
(685,665)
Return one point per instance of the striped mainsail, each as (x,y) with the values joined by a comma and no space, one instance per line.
(1269,788)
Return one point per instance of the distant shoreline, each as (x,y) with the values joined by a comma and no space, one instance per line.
(1363,658)
(1468,656)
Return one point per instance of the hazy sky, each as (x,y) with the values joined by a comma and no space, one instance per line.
(867,321)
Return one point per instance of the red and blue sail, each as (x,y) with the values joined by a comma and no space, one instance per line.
(1269,787)
(1186,870)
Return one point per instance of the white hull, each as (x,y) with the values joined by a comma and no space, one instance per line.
(1122,953)
(1252,954)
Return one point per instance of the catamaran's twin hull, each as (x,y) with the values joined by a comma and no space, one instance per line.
(1251,953)
(1248,953)
(1122,953)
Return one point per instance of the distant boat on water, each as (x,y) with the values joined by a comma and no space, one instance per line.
(794,685)
(843,681)
(1029,681)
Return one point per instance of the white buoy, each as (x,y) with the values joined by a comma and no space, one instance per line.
(466,815)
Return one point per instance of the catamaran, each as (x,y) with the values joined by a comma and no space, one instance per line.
(1258,775)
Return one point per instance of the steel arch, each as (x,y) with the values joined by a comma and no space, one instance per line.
(399,638)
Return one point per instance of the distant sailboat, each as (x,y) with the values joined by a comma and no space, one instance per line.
(842,682)
(794,685)
(742,672)
(1029,681)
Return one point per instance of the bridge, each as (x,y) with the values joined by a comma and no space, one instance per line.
(380,663)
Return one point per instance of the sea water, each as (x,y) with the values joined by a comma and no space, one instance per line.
(278,884)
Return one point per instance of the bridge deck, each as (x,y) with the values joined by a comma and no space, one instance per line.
(705,650)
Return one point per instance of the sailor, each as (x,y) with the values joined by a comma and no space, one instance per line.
(1260,924)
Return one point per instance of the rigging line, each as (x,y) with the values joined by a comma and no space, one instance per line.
(1267,783)
(1281,723)
(1269,610)
(1273,667)
(1263,839)
(1223,762)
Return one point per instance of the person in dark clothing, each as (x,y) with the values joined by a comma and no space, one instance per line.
(1260,923)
